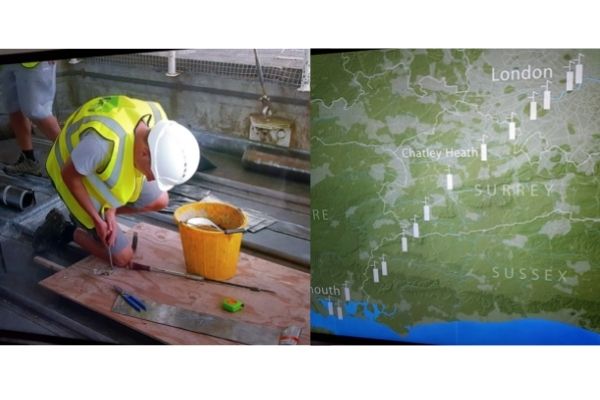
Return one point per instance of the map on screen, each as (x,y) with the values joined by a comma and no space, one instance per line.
(456,195)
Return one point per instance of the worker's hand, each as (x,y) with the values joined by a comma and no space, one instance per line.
(102,231)
(111,221)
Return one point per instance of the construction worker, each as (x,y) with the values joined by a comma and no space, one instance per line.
(115,155)
(28,90)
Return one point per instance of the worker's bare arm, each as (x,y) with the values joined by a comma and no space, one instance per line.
(74,181)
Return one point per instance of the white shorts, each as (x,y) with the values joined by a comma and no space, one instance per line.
(29,90)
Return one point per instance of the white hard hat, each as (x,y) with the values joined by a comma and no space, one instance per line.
(174,154)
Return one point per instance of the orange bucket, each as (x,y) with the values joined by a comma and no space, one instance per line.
(208,252)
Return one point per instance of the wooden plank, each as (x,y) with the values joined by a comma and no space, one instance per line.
(162,248)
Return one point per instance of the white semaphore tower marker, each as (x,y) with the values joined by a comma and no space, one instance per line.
(383,266)
(340,314)
(375,272)
(533,107)
(449,180)
(346,291)
(579,70)
(483,149)
(404,242)
(512,128)
(569,76)
(415,227)
(547,95)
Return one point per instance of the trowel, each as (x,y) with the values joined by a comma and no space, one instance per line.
(203,223)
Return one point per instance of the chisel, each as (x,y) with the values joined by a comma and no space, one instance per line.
(142,267)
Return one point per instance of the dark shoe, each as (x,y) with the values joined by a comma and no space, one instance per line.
(55,231)
(24,166)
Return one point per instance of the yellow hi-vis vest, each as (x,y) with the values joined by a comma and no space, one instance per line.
(30,64)
(115,119)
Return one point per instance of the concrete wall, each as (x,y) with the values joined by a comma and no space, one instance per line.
(212,103)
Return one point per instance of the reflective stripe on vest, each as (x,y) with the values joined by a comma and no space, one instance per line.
(111,124)
(99,185)
(114,119)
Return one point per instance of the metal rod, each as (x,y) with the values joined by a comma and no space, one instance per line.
(259,72)
(143,267)
(265,100)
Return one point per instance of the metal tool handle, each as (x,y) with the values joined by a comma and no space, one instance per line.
(134,242)
(234,230)
(139,267)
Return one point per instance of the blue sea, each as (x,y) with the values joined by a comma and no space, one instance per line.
(527,331)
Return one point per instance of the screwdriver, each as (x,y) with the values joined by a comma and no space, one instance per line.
(112,267)
(110,257)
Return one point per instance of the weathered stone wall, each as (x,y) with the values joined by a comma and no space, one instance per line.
(211,103)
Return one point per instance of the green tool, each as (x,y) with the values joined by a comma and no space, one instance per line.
(232,305)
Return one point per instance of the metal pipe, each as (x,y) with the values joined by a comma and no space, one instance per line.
(16,197)
(172,68)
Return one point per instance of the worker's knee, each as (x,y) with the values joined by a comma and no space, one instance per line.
(123,258)
(161,202)
(48,120)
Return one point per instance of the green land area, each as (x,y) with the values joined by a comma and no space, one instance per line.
(517,236)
